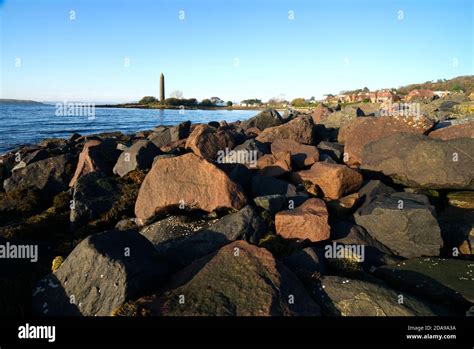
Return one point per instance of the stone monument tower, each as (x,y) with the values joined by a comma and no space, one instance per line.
(162,88)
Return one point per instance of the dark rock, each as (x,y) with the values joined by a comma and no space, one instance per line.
(349,297)
(271,203)
(138,157)
(333,149)
(308,264)
(50,175)
(99,275)
(374,188)
(214,124)
(262,186)
(239,280)
(405,223)
(36,155)
(94,194)
(265,119)
(164,135)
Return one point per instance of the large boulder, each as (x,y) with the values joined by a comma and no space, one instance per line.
(265,119)
(334,180)
(99,275)
(94,194)
(138,157)
(206,142)
(50,176)
(370,129)
(300,129)
(404,222)
(188,181)
(423,162)
(274,165)
(320,113)
(239,280)
(447,281)
(302,155)
(340,296)
(97,155)
(454,131)
(308,221)
(164,135)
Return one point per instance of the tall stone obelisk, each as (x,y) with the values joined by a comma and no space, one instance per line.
(162,88)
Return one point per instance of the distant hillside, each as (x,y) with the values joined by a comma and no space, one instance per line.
(464,83)
(19,101)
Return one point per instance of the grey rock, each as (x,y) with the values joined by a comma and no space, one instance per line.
(333,149)
(403,222)
(101,273)
(138,157)
(94,194)
(340,296)
(271,203)
(50,175)
(263,120)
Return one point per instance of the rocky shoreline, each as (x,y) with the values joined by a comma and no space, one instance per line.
(334,212)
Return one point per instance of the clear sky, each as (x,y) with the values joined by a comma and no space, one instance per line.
(114,51)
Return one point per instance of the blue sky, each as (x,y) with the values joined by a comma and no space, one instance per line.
(233,49)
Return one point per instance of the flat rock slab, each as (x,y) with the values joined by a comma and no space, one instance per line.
(403,222)
(341,296)
(449,281)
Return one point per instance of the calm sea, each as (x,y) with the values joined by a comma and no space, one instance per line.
(29,124)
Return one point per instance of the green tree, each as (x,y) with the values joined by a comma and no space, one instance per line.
(456,88)
(148,100)
(298,102)
(207,103)
(229,103)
